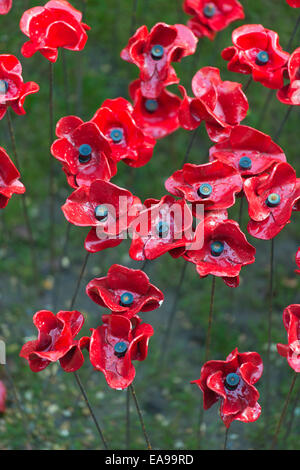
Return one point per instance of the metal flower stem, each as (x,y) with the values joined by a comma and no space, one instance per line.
(127,443)
(226,439)
(248,83)
(24,202)
(283,123)
(131,387)
(51,170)
(77,378)
(284,410)
(210,319)
(270,318)
(190,145)
(291,420)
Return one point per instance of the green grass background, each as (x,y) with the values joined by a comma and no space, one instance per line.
(54,415)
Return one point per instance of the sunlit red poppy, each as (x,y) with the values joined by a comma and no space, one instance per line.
(157,117)
(271,197)
(213,103)
(2,397)
(56,24)
(106,208)
(294,3)
(83,151)
(256,51)
(125,291)
(128,142)
(115,344)
(248,150)
(9,179)
(13,90)
(153,52)
(231,382)
(56,341)
(291,321)
(214,184)
(224,251)
(290,94)
(209,17)
(5,6)
(164,225)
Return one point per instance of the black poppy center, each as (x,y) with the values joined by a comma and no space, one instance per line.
(205,190)
(157,52)
(273,200)
(162,229)
(217,248)
(151,106)
(245,163)
(126,299)
(232,381)
(262,58)
(101,213)
(209,10)
(120,349)
(85,153)
(116,135)
(3,87)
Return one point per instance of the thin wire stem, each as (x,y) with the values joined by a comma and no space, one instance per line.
(226,439)
(51,170)
(270,319)
(290,43)
(133,17)
(283,123)
(79,280)
(246,87)
(241,210)
(128,418)
(284,410)
(84,394)
(167,334)
(140,416)
(190,145)
(210,319)
(66,80)
(24,202)
(291,420)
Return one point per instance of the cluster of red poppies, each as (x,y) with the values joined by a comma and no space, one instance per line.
(243,162)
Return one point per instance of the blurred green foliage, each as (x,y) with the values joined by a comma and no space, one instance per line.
(54,415)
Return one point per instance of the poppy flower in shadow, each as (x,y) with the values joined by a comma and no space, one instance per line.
(83,151)
(213,103)
(209,17)
(115,344)
(13,90)
(298,261)
(2,397)
(153,52)
(291,321)
(157,117)
(231,382)
(224,251)
(248,150)
(271,197)
(56,341)
(9,179)
(125,291)
(256,51)
(163,226)
(106,208)
(56,24)
(290,94)
(5,6)
(127,140)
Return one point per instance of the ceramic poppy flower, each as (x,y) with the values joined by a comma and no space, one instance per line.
(232,383)
(2,397)
(209,17)
(157,117)
(125,291)
(56,24)
(127,140)
(5,6)
(13,90)
(291,321)
(294,3)
(290,94)
(115,344)
(214,184)
(56,341)
(224,251)
(248,150)
(9,179)
(105,207)
(154,51)
(271,197)
(256,51)
(213,103)
(298,261)
(163,226)
(83,151)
